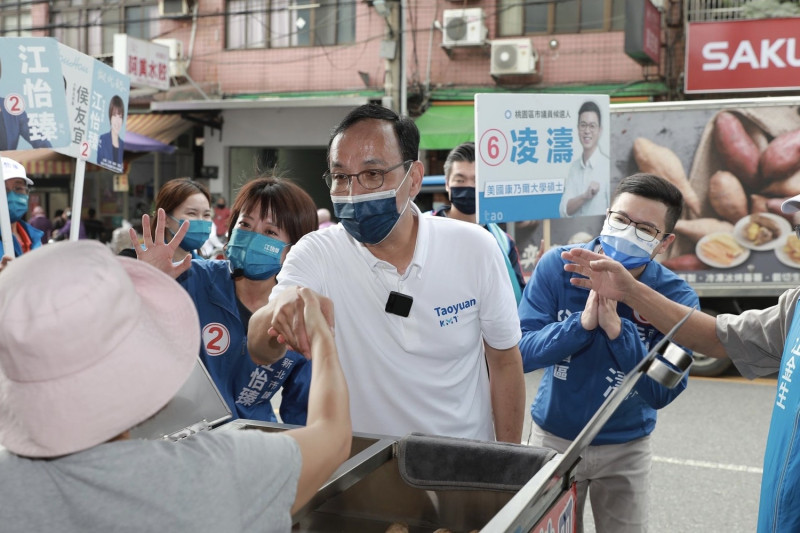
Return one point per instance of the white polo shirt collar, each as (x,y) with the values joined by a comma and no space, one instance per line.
(420,249)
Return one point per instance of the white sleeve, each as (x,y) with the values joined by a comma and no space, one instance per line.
(571,189)
(304,266)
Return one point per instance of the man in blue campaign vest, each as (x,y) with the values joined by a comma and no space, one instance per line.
(759,342)
(587,344)
(459,181)
(25,236)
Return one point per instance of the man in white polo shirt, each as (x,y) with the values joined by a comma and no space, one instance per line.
(425,313)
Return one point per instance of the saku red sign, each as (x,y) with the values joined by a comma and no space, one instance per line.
(743,55)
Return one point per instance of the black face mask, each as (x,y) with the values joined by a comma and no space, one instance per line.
(463,198)
(221,205)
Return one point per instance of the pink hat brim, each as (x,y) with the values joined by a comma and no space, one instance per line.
(123,388)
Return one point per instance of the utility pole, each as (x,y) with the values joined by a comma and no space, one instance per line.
(393,54)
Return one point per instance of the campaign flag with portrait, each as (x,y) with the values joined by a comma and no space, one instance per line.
(32,100)
(97,99)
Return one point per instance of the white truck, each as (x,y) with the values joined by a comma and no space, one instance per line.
(739,160)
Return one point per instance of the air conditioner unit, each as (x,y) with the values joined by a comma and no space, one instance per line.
(514,56)
(177,63)
(463,27)
(173,8)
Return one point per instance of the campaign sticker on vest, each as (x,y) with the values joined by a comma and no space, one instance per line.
(216,338)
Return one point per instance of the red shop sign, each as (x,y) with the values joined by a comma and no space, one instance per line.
(743,55)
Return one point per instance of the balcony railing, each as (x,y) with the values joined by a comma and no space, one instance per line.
(702,10)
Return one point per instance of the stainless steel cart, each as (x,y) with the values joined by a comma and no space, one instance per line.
(368,493)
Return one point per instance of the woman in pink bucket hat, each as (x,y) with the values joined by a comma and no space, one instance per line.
(95,347)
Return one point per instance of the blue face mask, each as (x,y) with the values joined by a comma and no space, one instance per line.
(197,235)
(369,218)
(463,198)
(254,255)
(17,205)
(624,246)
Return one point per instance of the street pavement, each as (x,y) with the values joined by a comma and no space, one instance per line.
(708,448)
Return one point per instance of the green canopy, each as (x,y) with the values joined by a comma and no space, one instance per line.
(443,127)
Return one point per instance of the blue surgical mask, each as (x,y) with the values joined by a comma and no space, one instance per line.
(253,255)
(196,236)
(17,205)
(369,218)
(463,198)
(624,246)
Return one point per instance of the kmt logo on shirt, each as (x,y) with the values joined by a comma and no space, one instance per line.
(216,338)
(453,310)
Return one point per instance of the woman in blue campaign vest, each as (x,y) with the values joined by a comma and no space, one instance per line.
(186,199)
(267,217)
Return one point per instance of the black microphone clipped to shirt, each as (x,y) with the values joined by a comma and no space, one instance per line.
(399,304)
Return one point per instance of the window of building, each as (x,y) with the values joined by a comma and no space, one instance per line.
(89,25)
(565,16)
(15,18)
(288,23)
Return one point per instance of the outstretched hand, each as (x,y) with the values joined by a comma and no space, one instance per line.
(603,275)
(289,318)
(317,326)
(158,253)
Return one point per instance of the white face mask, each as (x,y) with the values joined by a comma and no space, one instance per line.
(624,246)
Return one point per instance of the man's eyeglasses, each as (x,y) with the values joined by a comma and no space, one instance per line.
(620,221)
(590,126)
(369,179)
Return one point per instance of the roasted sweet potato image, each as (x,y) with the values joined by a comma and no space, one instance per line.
(758,204)
(758,135)
(784,187)
(726,195)
(781,159)
(661,161)
(760,229)
(774,206)
(739,152)
(685,262)
(700,227)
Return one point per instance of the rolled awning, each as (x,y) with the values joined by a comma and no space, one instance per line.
(143,133)
(445,126)
(43,161)
(162,128)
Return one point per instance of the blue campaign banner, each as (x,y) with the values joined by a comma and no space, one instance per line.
(541,156)
(532,206)
(97,100)
(108,116)
(33,105)
(77,69)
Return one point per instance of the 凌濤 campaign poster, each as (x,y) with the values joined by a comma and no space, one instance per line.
(32,99)
(541,156)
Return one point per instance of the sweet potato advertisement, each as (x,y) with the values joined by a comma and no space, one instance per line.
(735,163)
